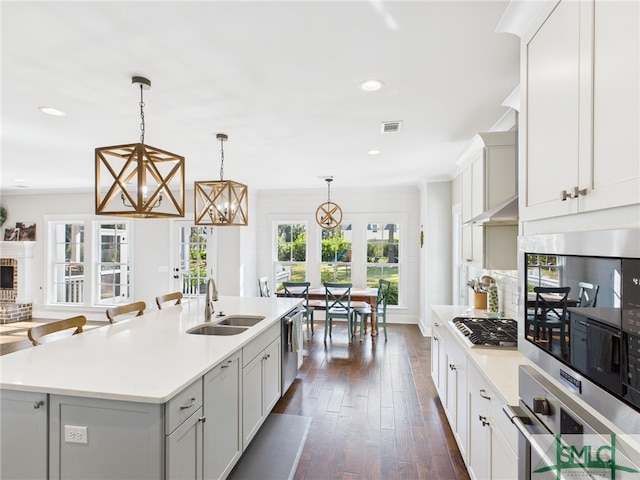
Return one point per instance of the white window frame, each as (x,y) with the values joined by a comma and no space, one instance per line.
(91,225)
(274,251)
(401,256)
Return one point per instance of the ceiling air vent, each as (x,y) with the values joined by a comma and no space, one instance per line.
(391,127)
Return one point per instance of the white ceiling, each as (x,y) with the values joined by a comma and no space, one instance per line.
(280,78)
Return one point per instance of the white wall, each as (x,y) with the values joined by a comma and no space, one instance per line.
(244,253)
(153,256)
(436,254)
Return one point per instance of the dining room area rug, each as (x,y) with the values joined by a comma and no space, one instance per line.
(275,451)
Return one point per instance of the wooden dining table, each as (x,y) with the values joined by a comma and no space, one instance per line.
(358,294)
(531,299)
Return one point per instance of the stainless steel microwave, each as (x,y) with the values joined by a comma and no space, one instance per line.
(595,353)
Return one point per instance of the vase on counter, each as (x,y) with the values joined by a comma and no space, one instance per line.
(492,299)
(480,300)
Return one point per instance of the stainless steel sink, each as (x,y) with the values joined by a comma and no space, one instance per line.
(241,320)
(217,330)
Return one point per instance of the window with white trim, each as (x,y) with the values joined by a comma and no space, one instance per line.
(383,257)
(335,263)
(89,262)
(291,253)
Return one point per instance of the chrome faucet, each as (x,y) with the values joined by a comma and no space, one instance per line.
(212,296)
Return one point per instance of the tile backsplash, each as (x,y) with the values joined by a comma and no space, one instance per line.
(507,281)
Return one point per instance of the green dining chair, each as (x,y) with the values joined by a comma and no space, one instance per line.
(301,290)
(338,305)
(364,312)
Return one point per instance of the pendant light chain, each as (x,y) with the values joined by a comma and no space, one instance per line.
(142,126)
(329,190)
(221,159)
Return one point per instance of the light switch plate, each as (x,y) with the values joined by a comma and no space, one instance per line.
(74,434)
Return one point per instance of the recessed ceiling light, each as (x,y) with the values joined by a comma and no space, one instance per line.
(52,111)
(373,152)
(371,85)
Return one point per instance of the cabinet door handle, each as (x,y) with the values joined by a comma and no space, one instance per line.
(193,402)
(483,419)
(577,192)
(452,367)
(565,195)
(436,324)
(483,394)
(38,404)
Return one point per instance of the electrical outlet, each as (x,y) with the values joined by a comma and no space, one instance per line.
(73,434)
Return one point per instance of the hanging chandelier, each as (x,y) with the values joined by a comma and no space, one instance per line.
(138,180)
(329,214)
(221,202)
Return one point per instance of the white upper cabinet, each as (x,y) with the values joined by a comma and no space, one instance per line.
(580,150)
(489,175)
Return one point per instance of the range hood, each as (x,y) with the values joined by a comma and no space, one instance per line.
(503,213)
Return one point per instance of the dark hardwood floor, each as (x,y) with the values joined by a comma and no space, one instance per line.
(375,411)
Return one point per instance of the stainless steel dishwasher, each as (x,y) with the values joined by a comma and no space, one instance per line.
(291,340)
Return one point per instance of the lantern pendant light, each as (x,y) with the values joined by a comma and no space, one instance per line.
(329,214)
(138,180)
(221,202)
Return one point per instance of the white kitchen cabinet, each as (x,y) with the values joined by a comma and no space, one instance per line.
(466,186)
(439,359)
(456,393)
(581,117)
(222,401)
(184,418)
(24,435)
(183,449)
(489,179)
(492,440)
(260,381)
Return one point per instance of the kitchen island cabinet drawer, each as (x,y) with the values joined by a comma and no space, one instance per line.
(257,346)
(182,406)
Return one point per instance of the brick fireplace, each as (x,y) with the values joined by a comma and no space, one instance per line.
(16,262)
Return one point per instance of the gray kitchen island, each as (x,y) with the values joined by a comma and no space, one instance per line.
(142,398)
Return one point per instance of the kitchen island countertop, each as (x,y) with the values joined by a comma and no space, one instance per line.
(145,359)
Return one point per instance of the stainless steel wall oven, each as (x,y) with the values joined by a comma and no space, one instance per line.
(588,383)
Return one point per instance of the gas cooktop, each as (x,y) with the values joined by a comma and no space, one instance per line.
(487,332)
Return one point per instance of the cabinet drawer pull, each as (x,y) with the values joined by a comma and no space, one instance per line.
(229,362)
(452,367)
(483,394)
(483,419)
(202,419)
(577,192)
(193,402)
(565,195)
(436,324)
(38,404)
